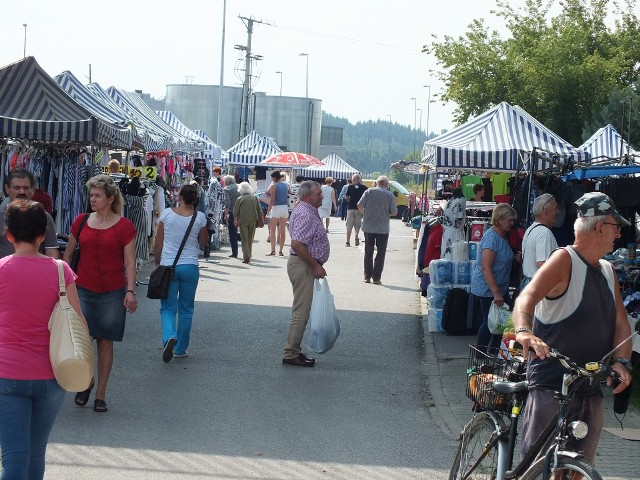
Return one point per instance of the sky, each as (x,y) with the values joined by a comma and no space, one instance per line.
(364,56)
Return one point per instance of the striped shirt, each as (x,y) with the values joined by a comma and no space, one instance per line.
(305,226)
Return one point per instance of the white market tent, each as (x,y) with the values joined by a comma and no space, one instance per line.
(334,166)
(502,138)
(252,149)
(212,151)
(607,143)
(205,145)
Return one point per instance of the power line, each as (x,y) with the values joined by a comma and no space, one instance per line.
(354,40)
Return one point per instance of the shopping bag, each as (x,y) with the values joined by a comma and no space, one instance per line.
(324,326)
(499,316)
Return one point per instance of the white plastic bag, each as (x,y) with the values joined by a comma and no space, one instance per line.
(498,318)
(324,326)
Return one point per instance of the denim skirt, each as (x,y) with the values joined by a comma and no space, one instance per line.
(105,313)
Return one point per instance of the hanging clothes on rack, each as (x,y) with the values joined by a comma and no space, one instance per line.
(136,212)
(454,219)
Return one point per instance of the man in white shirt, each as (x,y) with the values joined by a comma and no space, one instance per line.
(538,241)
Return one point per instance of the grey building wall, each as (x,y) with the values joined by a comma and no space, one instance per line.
(293,122)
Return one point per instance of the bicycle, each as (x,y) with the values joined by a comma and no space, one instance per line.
(498,387)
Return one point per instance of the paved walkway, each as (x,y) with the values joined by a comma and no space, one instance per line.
(617,458)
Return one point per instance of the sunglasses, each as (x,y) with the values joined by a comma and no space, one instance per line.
(617,225)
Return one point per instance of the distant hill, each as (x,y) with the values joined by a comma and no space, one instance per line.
(374,145)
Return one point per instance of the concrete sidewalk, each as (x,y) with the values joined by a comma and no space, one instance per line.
(446,359)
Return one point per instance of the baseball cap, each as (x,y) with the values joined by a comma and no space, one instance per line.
(594,204)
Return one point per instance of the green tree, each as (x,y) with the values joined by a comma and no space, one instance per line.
(560,69)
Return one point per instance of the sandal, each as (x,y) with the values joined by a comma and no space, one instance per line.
(83,397)
(281,254)
(272,254)
(100,406)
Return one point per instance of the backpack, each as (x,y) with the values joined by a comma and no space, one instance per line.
(454,312)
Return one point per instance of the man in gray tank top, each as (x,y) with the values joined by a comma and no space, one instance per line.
(573,304)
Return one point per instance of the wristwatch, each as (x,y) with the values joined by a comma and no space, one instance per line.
(625,362)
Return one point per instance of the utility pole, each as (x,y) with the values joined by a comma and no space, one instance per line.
(24,52)
(244,121)
(221,85)
(389,154)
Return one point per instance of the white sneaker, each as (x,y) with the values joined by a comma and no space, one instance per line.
(180,355)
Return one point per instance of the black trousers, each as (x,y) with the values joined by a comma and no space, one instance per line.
(233,234)
(373,268)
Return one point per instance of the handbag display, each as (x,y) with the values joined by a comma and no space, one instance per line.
(70,347)
(75,256)
(160,278)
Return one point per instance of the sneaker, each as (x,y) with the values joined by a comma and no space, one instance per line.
(347,244)
(367,280)
(357,241)
(167,351)
(180,355)
(377,282)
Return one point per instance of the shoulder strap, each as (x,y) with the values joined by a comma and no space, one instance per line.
(184,240)
(61,283)
(84,220)
(529,233)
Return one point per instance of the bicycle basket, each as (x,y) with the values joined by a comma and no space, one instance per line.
(486,368)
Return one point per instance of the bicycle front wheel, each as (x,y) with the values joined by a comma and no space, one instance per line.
(567,467)
(474,448)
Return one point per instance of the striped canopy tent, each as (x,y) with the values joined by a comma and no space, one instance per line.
(501,138)
(606,144)
(135,106)
(34,107)
(252,150)
(85,97)
(151,139)
(212,151)
(207,146)
(334,166)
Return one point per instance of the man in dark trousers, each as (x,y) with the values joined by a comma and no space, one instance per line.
(376,205)
(354,216)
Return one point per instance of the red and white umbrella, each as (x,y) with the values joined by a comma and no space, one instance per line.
(291,159)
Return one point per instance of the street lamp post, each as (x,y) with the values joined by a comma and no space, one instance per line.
(280,81)
(420,121)
(428,107)
(24,54)
(307,81)
(415,126)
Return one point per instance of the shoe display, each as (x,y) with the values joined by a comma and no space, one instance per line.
(167,351)
(300,361)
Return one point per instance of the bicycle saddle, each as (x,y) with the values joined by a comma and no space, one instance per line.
(508,388)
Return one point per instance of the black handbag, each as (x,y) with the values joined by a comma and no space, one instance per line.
(75,256)
(160,278)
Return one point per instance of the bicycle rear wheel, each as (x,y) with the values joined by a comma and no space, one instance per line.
(473,444)
(567,467)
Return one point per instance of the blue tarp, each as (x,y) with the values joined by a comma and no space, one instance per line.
(601,171)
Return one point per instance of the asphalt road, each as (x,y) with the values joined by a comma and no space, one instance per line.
(233,411)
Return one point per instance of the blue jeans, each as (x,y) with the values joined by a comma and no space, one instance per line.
(180,300)
(28,409)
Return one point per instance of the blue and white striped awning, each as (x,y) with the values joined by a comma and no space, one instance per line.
(252,149)
(334,166)
(213,151)
(34,107)
(501,138)
(135,106)
(606,143)
(85,97)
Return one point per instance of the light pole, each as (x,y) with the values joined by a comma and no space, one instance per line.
(389,154)
(420,121)
(24,54)
(307,82)
(280,81)
(415,121)
(428,107)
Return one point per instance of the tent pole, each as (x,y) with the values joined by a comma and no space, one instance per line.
(532,160)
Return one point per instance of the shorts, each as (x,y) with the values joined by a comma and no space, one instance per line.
(324,212)
(354,218)
(279,211)
(104,312)
(541,408)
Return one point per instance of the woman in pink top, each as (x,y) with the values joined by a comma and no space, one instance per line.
(30,397)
